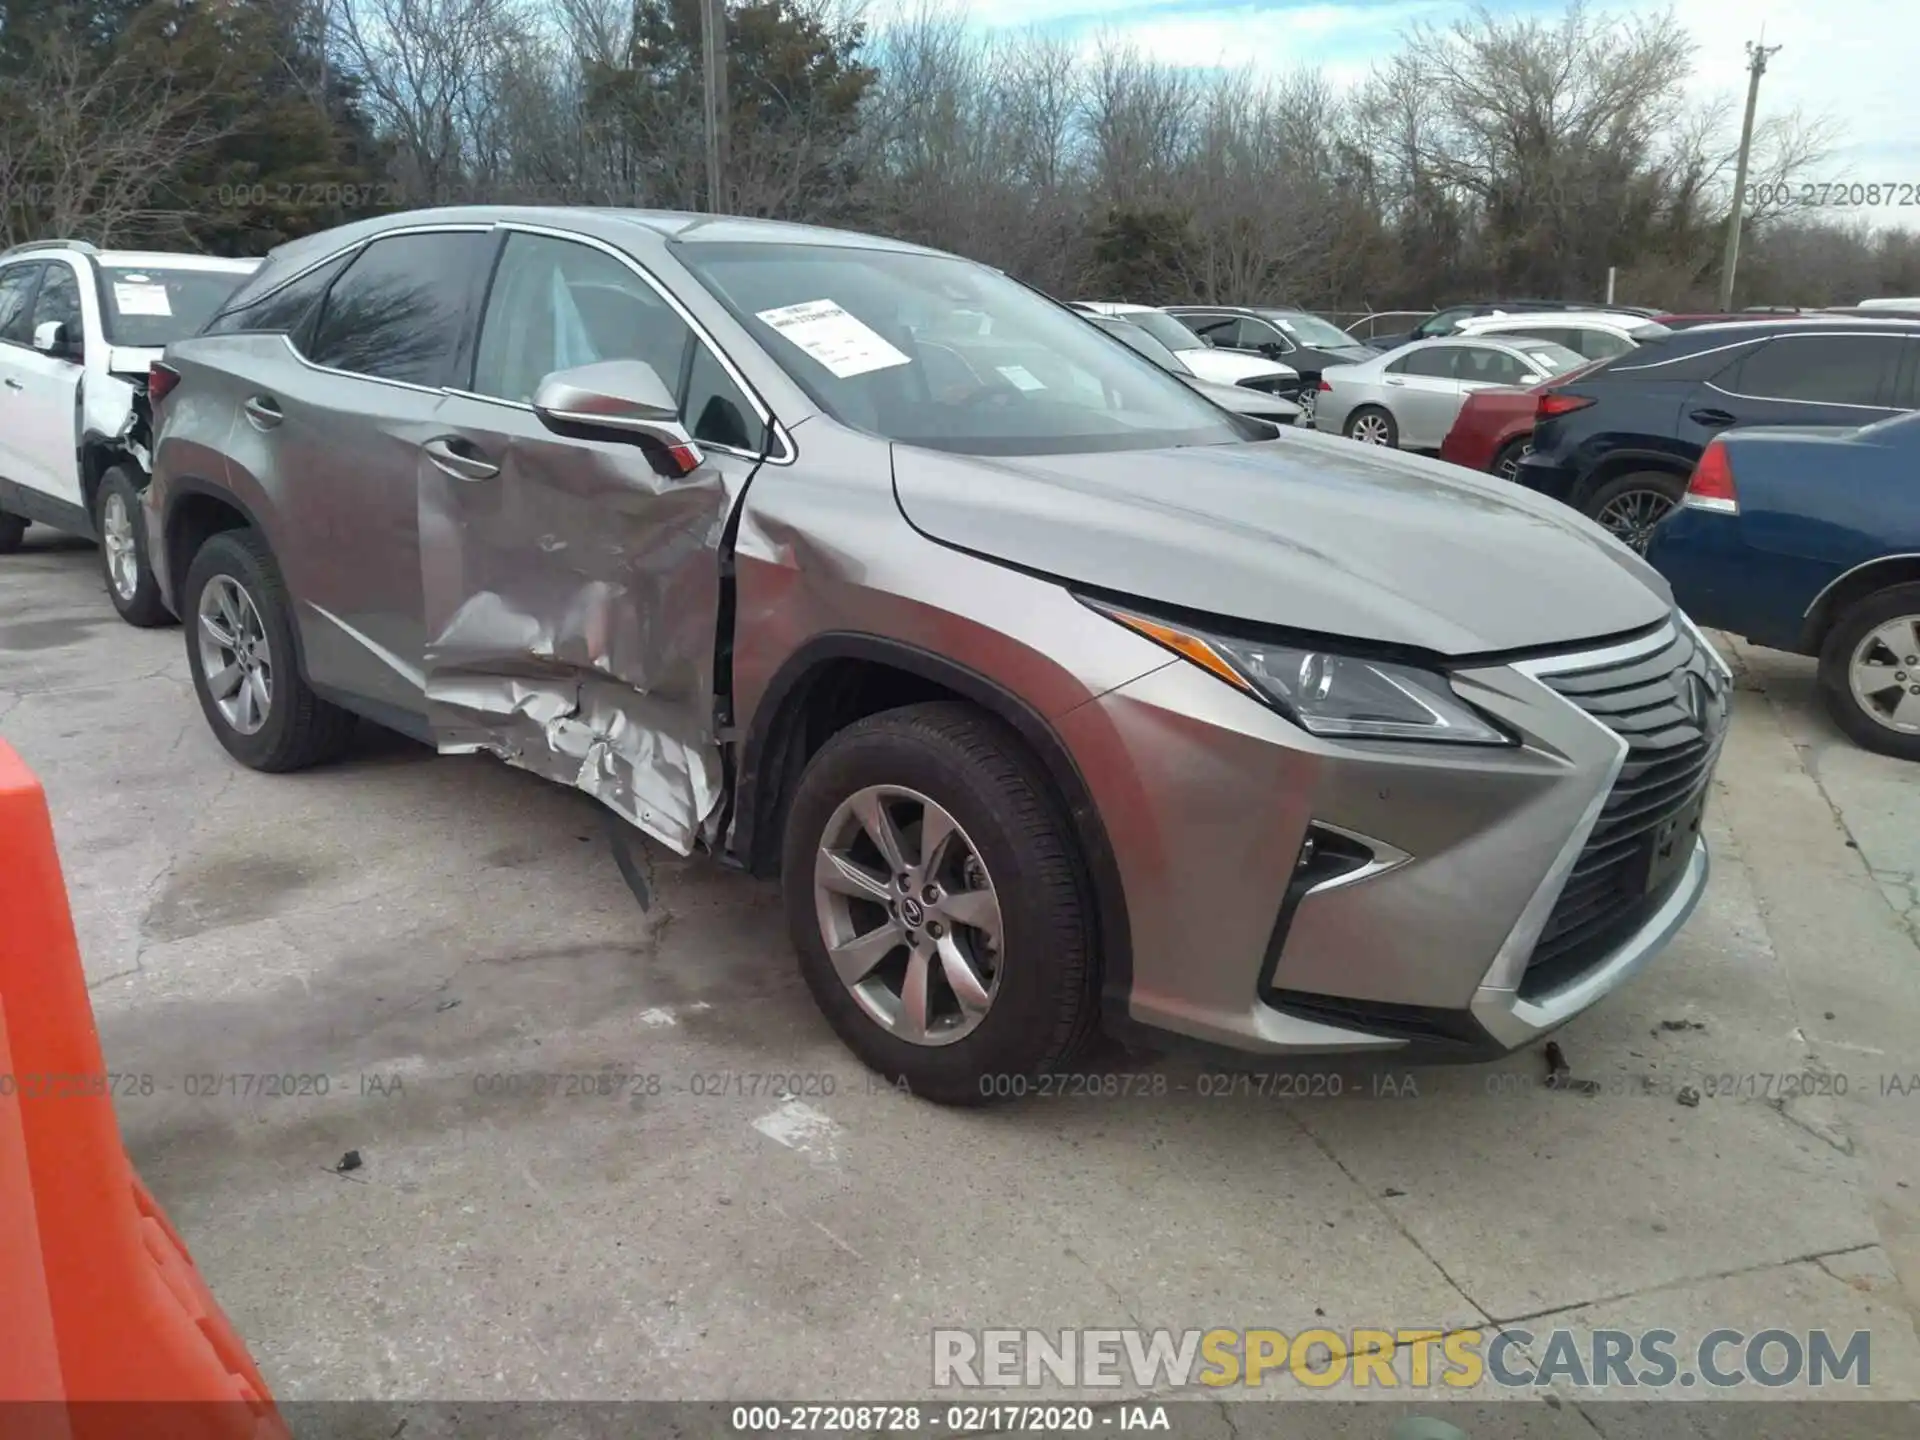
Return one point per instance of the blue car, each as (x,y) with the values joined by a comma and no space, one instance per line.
(1808,540)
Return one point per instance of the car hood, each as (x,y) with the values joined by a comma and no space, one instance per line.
(1241,400)
(1309,532)
(1347,354)
(1231,368)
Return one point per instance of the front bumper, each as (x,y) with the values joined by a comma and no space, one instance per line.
(1502,902)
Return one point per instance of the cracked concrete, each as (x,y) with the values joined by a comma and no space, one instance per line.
(555,1094)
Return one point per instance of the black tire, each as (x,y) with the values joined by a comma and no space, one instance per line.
(301,729)
(12,527)
(1509,458)
(1656,485)
(144,607)
(978,769)
(1393,428)
(1836,657)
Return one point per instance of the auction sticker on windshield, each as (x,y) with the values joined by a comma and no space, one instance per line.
(140,297)
(843,343)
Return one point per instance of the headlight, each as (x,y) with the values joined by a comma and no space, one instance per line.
(1326,693)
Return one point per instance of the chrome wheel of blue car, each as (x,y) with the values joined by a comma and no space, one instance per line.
(1884,674)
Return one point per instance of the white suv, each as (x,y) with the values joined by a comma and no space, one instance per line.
(79,328)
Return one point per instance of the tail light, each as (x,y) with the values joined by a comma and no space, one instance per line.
(1711,487)
(160,381)
(1326,386)
(1553,403)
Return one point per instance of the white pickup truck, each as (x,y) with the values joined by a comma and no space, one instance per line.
(79,328)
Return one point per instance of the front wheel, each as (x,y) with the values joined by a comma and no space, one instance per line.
(123,551)
(934,895)
(1630,506)
(12,527)
(240,650)
(1371,425)
(1870,672)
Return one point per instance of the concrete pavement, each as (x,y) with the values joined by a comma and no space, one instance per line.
(578,1177)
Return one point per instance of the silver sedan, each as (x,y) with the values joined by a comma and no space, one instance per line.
(1410,396)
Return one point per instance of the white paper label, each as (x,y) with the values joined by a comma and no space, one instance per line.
(137,299)
(843,343)
(1020,377)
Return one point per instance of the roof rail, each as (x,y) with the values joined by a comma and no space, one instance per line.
(85,247)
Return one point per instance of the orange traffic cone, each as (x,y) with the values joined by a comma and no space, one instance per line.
(107,1319)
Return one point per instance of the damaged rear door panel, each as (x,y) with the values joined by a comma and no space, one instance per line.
(573,593)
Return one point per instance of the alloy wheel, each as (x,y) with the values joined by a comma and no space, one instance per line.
(1370,430)
(235,658)
(116,538)
(909,914)
(1632,515)
(1884,674)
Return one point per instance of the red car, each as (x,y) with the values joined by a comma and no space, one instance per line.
(1495,427)
(1492,430)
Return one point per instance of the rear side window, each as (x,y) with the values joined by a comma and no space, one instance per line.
(1220,329)
(1821,370)
(1600,344)
(402,309)
(284,311)
(16,299)
(1436,363)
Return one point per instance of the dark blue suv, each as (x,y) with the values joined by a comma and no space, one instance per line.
(1618,442)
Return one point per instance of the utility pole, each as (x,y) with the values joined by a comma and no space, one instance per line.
(1756,67)
(713,38)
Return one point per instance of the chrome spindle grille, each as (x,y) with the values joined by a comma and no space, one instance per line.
(1670,707)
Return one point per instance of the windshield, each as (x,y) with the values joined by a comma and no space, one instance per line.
(1164,328)
(1136,338)
(1311,329)
(870,336)
(151,306)
(1554,359)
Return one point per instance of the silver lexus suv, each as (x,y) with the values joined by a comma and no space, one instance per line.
(1056,696)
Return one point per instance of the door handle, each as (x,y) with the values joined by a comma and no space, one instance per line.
(1707,415)
(13,384)
(263,411)
(1395,380)
(459,459)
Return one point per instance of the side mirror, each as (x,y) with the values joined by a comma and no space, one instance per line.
(50,337)
(619,400)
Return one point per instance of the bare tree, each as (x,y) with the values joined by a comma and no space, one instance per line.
(87,146)
(431,72)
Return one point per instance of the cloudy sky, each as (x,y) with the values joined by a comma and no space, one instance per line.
(1851,62)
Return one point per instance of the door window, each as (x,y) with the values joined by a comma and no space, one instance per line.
(401,308)
(59,300)
(16,300)
(1222,330)
(1489,367)
(1821,369)
(557,304)
(1258,334)
(1436,363)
